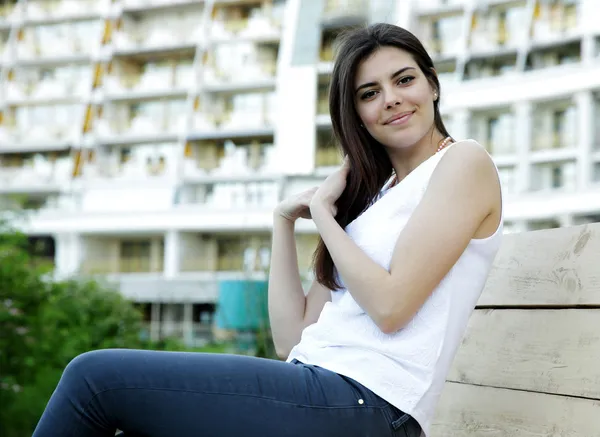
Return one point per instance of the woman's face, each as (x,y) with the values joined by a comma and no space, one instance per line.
(393,98)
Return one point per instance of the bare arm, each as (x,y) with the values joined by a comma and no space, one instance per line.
(290,311)
(453,208)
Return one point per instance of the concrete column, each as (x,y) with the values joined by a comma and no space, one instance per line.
(585,141)
(523,139)
(188,324)
(459,126)
(155,322)
(589,10)
(171,256)
(69,254)
(297,86)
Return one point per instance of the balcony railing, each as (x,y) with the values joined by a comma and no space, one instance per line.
(121,265)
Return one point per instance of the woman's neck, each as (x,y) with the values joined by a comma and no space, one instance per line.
(405,161)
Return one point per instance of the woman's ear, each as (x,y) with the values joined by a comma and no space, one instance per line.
(434,89)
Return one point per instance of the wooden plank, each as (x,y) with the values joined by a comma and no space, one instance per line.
(549,267)
(550,351)
(472,411)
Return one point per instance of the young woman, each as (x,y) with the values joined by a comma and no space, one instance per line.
(409,226)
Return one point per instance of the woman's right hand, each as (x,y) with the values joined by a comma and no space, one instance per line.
(296,206)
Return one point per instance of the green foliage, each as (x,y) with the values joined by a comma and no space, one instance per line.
(44,324)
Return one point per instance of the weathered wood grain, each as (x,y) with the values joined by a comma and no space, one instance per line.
(524,369)
(551,351)
(548,267)
(473,411)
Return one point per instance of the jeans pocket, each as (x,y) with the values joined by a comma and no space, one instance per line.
(403,424)
(363,394)
(401,421)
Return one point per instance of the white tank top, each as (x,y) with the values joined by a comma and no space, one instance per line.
(407,368)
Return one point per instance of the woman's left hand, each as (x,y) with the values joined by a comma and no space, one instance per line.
(331,189)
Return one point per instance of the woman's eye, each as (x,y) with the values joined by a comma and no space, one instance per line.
(368,94)
(405,80)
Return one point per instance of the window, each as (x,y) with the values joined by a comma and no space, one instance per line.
(134,256)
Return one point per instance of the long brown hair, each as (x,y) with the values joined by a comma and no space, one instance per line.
(369,163)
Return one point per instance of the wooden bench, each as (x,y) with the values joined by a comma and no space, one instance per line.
(529,364)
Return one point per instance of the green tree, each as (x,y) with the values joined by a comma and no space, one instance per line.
(44,323)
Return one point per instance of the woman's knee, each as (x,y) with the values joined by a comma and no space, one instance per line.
(88,368)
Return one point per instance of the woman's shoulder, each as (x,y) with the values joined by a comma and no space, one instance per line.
(469,145)
(469,154)
(469,169)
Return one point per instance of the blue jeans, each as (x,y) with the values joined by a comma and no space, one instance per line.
(168,394)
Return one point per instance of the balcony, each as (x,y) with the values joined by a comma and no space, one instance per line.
(41,127)
(166,290)
(565,52)
(16,201)
(323,96)
(327,155)
(536,225)
(232,256)
(496,128)
(554,176)
(499,27)
(190,322)
(555,20)
(193,335)
(234,115)
(153,121)
(52,11)
(9,10)
(55,44)
(35,172)
(118,266)
(552,202)
(555,126)
(306,243)
(442,35)
(252,20)
(244,195)
(38,85)
(243,157)
(484,67)
(163,32)
(105,255)
(224,62)
(133,79)
(339,13)
(199,289)
(126,167)
(438,7)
